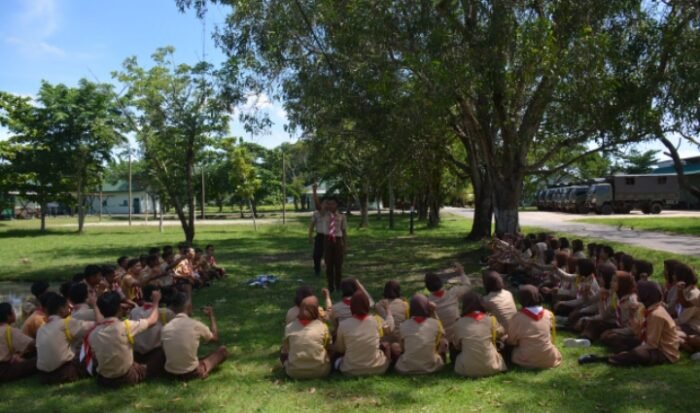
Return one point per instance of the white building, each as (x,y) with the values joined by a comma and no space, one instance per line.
(115,200)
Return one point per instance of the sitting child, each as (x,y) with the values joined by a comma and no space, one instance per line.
(306,344)
(532,332)
(398,306)
(15,348)
(422,347)
(358,340)
(475,340)
(58,339)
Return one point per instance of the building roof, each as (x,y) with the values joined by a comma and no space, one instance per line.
(688,169)
(120,186)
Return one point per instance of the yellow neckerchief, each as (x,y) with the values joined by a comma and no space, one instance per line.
(8,338)
(553,321)
(326,336)
(380,322)
(614,301)
(408,313)
(66,326)
(129,337)
(494,328)
(163,316)
(438,338)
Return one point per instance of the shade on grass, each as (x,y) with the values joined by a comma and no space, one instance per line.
(251,324)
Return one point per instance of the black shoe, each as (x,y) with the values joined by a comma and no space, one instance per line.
(591,358)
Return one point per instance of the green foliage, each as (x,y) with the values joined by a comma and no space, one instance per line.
(62,143)
(177,111)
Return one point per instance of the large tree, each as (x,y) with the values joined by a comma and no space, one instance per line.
(518,82)
(64,141)
(177,111)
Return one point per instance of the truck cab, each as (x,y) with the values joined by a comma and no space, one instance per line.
(600,198)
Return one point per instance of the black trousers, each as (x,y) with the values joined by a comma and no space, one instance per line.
(318,253)
(334,254)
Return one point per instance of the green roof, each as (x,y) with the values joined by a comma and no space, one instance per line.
(687,169)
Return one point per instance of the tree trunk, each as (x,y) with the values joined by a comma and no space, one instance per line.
(189,225)
(43,217)
(81,208)
(434,212)
(506,202)
(678,166)
(254,207)
(483,199)
(422,207)
(392,205)
(364,210)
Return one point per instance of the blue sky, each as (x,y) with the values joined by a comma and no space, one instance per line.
(62,41)
(65,40)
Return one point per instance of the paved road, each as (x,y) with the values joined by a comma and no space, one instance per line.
(554,221)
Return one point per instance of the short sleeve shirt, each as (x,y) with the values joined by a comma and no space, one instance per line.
(180,339)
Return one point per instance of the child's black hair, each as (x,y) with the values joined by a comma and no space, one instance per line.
(109,304)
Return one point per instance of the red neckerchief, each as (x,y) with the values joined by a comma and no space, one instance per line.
(147,306)
(361,317)
(304,322)
(346,300)
(332,229)
(532,315)
(40,311)
(647,312)
(419,319)
(476,315)
(439,293)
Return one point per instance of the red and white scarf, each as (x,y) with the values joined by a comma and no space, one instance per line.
(535,312)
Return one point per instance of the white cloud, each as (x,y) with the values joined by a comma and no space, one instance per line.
(261,102)
(33,27)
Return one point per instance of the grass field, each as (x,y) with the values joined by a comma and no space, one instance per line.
(676,225)
(251,325)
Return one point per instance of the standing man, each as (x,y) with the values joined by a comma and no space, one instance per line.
(335,243)
(318,223)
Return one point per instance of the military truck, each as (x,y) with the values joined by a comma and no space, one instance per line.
(576,200)
(623,193)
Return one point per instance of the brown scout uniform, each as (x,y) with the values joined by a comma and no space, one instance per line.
(13,342)
(56,345)
(112,344)
(399,310)
(306,348)
(33,323)
(501,305)
(181,339)
(474,339)
(420,343)
(533,341)
(358,340)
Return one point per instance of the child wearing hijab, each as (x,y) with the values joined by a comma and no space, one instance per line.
(475,339)
(586,287)
(447,300)
(498,301)
(532,332)
(341,309)
(689,300)
(628,309)
(600,308)
(301,293)
(422,348)
(658,334)
(306,342)
(358,340)
(670,290)
(396,304)
(606,318)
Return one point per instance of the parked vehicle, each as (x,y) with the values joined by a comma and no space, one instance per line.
(623,193)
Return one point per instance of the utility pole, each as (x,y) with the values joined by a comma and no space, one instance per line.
(284,191)
(129,202)
(100,210)
(203,195)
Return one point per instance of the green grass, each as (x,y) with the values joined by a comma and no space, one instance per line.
(678,225)
(251,324)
